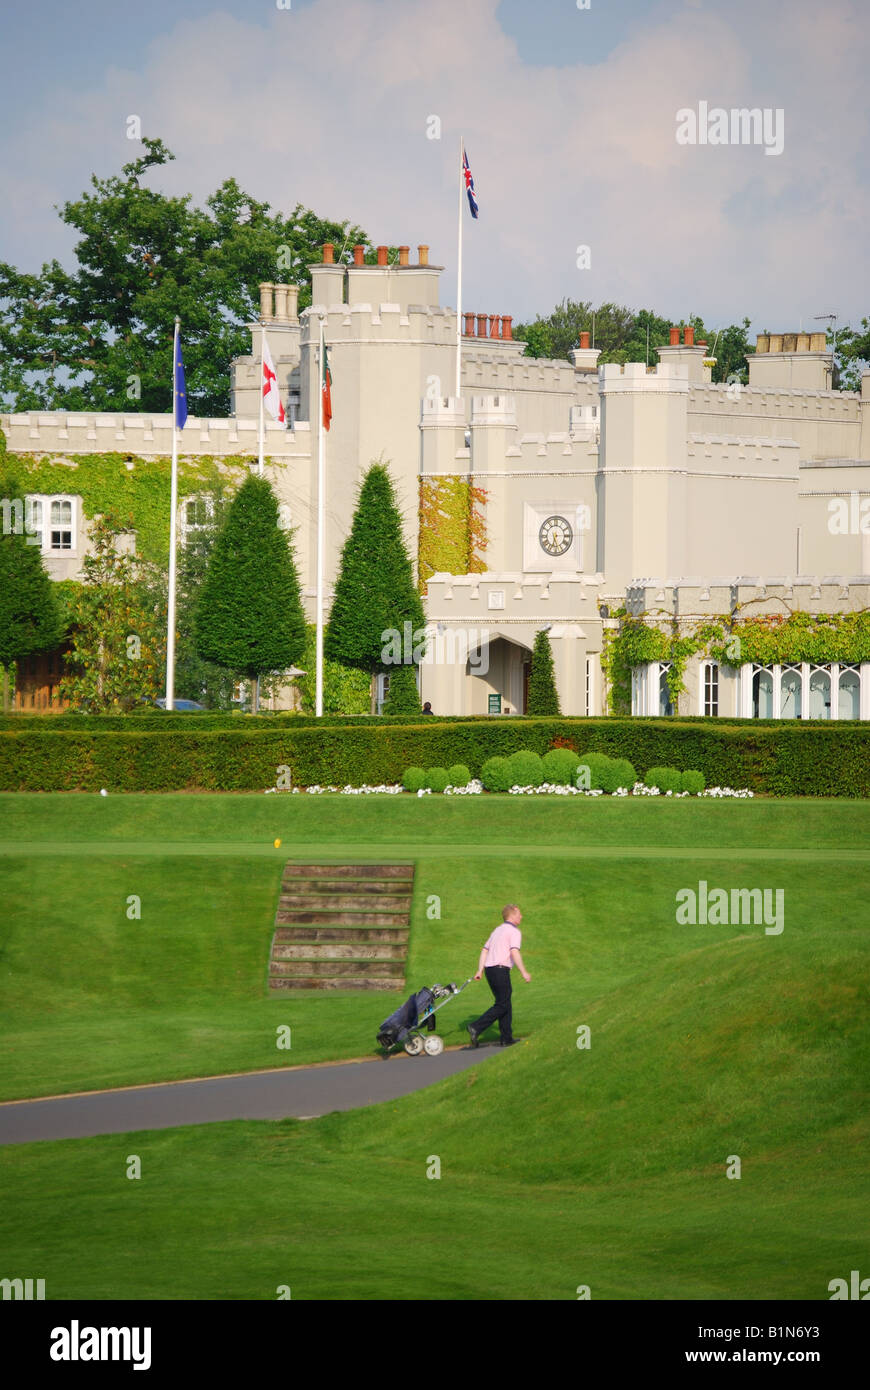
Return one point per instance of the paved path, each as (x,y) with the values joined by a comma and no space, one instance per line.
(304,1092)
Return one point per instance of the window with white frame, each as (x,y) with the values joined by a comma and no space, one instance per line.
(762,693)
(710,688)
(665,705)
(790,692)
(803,691)
(53,520)
(196,514)
(849,693)
(820,693)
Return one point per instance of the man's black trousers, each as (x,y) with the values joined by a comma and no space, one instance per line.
(498,977)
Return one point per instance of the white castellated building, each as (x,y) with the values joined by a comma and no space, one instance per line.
(601,488)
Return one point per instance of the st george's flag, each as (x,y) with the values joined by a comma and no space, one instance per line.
(326,389)
(269,385)
(179,387)
(469,184)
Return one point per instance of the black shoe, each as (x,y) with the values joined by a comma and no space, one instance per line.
(473,1036)
(510,1042)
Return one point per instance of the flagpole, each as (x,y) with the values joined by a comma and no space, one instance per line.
(173,508)
(262,429)
(321,447)
(459,274)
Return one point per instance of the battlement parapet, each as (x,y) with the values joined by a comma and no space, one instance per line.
(147,436)
(518,373)
(776,401)
(632,378)
(743,441)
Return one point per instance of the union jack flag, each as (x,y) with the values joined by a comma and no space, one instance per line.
(469,184)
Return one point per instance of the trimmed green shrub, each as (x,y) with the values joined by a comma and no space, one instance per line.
(597,763)
(496,775)
(624,773)
(693,781)
(667,779)
(527,768)
(413,779)
(560,766)
(437,778)
(459,775)
(617,773)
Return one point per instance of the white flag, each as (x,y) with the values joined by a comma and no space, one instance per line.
(269,386)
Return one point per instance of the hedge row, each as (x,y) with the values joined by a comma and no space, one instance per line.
(199,722)
(791,759)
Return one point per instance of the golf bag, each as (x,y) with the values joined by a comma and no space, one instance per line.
(397,1027)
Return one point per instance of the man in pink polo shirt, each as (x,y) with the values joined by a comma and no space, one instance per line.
(501,952)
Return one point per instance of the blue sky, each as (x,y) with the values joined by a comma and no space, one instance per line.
(569,117)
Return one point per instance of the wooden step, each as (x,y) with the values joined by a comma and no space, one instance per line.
(317,887)
(333,969)
(345,983)
(361,934)
(357,871)
(342,902)
(333,950)
(335,919)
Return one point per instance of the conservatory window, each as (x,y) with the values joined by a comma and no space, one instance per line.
(820,693)
(762,693)
(849,702)
(790,693)
(665,704)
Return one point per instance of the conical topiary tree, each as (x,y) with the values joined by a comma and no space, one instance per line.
(403,697)
(249,616)
(377,618)
(543,696)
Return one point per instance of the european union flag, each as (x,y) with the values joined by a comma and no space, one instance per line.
(180,387)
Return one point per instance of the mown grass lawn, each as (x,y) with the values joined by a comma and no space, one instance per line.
(559,1166)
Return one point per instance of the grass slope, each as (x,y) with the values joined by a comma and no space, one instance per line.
(559,1167)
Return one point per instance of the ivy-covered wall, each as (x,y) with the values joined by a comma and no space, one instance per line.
(135,490)
(784,639)
(452,528)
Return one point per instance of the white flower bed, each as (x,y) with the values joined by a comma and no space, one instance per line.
(475,788)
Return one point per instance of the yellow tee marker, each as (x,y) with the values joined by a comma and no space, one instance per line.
(277,844)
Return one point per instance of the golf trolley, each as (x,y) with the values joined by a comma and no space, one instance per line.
(406,1026)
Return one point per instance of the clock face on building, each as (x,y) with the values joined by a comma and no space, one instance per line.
(555,535)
